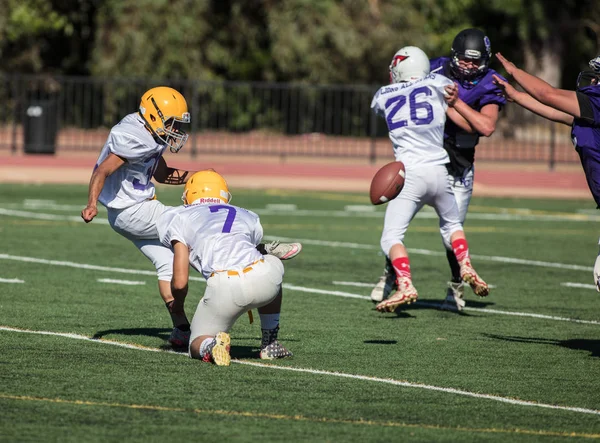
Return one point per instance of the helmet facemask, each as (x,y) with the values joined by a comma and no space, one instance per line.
(165,112)
(470,45)
(171,132)
(590,78)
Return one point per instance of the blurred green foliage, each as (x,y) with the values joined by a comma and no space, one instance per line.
(305,41)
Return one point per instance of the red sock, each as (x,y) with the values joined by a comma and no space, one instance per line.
(402,267)
(461,249)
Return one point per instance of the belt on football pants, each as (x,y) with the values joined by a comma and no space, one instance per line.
(244,271)
(236,273)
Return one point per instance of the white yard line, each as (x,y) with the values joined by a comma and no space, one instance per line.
(493,258)
(121,282)
(368,285)
(11,280)
(351,245)
(351,211)
(569,284)
(69,264)
(286,286)
(389,381)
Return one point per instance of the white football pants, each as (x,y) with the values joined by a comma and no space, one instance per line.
(424,185)
(138,224)
(229,296)
(463,191)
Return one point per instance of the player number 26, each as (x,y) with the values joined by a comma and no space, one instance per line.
(400,100)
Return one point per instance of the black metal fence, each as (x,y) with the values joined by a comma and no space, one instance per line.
(49,114)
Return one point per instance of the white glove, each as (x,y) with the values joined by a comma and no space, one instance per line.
(597,273)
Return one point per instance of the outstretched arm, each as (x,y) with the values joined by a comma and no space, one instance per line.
(170,176)
(528,102)
(109,165)
(560,99)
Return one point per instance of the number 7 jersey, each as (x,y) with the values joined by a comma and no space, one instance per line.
(415,113)
(219,236)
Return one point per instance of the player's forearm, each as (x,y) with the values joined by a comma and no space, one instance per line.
(481,123)
(95,188)
(460,121)
(534,86)
(531,104)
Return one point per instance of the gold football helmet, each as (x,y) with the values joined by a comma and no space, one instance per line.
(165,111)
(206,187)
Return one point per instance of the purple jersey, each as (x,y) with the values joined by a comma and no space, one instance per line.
(460,144)
(586,137)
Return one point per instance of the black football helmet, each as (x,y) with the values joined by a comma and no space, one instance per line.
(471,45)
(590,78)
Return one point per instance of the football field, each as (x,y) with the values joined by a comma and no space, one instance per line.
(84,357)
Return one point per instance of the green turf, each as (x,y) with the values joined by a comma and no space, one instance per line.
(58,388)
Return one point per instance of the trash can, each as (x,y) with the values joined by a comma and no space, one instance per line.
(40,127)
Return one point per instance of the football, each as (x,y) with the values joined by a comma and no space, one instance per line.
(387,183)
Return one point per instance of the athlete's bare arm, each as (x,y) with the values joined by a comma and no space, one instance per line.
(560,99)
(179,282)
(484,121)
(104,169)
(531,104)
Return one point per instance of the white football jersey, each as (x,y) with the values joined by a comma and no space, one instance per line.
(415,113)
(219,236)
(132,182)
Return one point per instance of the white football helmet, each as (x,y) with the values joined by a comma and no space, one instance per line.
(409,63)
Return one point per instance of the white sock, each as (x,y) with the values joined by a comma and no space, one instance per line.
(269,321)
(205,346)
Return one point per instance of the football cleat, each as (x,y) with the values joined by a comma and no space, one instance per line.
(273,351)
(283,251)
(468,274)
(179,338)
(454,297)
(406,294)
(218,352)
(386,285)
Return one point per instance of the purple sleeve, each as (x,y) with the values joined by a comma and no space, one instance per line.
(492,93)
(437,64)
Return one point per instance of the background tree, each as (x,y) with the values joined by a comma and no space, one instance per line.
(306,41)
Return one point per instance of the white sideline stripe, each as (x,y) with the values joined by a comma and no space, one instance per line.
(569,284)
(493,258)
(407,384)
(52,217)
(389,381)
(11,280)
(369,285)
(538,263)
(323,291)
(518,314)
(121,282)
(84,266)
(285,286)
(433,215)
(353,283)
(322,213)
